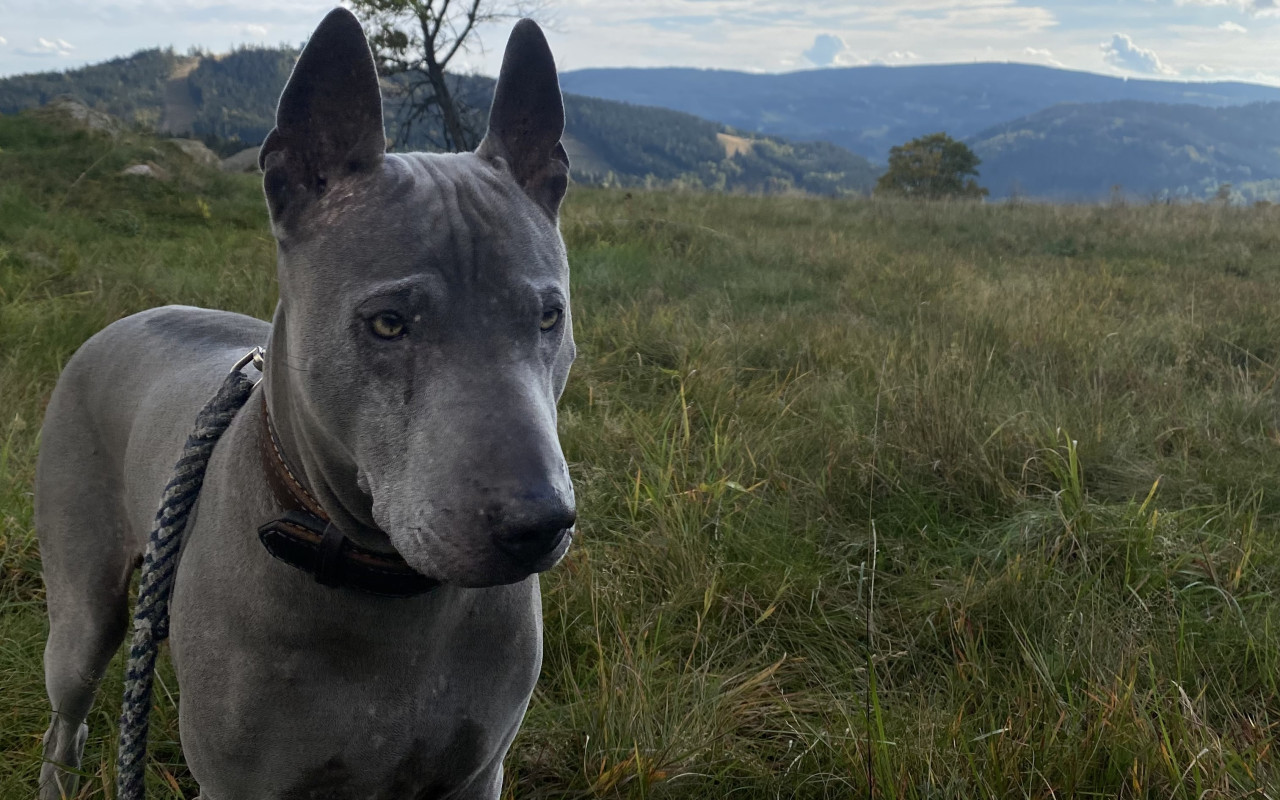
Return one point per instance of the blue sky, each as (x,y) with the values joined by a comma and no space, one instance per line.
(1188,39)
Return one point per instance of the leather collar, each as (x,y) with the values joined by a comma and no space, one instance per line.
(304,537)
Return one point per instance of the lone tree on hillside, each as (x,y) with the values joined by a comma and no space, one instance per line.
(932,167)
(414,42)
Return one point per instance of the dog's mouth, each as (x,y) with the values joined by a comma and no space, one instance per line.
(477,559)
(552,556)
(513,565)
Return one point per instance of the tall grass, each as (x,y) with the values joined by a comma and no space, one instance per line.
(877,499)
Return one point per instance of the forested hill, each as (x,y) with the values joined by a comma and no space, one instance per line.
(230,102)
(132,88)
(1146,150)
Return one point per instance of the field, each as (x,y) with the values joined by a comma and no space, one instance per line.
(877,499)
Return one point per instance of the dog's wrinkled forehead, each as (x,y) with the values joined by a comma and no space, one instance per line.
(456,214)
(326,170)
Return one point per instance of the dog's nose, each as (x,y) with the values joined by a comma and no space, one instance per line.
(532,532)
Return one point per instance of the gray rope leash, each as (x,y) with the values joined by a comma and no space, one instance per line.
(159,565)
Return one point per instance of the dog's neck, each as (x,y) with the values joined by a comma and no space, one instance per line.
(327,474)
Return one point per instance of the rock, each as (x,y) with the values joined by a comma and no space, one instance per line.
(69,110)
(147,170)
(244,161)
(197,152)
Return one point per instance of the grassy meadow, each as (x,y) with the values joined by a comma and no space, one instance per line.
(876,499)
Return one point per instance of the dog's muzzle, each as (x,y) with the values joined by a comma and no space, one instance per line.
(536,539)
(304,537)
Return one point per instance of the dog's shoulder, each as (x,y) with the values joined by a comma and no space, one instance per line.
(200,328)
(162,340)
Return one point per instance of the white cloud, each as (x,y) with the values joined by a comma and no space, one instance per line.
(1124,53)
(1205,69)
(49,47)
(1259,8)
(757,35)
(749,34)
(3,40)
(897,57)
(1233,27)
(825,50)
(1042,54)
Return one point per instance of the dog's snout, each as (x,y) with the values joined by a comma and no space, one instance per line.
(534,528)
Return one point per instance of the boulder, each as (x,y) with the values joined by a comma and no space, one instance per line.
(197,152)
(69,110)
(148,170)
(244,161)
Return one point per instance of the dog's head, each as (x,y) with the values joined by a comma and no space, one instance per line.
(423,334)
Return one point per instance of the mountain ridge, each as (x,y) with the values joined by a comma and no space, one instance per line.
(757,133)
(230,100)
(868,109)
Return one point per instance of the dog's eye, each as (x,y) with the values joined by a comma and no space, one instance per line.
(550,318)
(387,325)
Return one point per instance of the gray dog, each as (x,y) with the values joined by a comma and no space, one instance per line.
(402,442)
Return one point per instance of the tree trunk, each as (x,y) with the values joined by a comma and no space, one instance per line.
(454,129)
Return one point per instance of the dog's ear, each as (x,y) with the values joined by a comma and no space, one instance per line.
(527,118)
(329,120)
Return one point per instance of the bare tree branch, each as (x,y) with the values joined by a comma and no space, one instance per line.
(414,42)
(460,38)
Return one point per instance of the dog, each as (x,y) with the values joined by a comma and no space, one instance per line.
(413,365)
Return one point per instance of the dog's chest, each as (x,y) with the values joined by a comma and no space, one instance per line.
(314,729)
(419,774)
(364,699)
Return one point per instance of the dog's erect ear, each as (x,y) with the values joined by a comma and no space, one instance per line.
(329,121)
(527,118)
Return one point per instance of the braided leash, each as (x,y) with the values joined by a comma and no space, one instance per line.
(159,565)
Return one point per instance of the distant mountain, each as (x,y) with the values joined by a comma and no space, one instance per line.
(1042,132)
(131,88)
(1081,151)
(869,109)
(230,100)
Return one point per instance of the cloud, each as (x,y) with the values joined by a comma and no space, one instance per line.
(1258,8)
(1124,53)
(894,58)
(826,49)
(49,47)
(829,50)
(1042,54)
(3,40)
(256,31)
(1233,27)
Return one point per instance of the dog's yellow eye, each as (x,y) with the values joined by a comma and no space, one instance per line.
(549,318)
(387,325)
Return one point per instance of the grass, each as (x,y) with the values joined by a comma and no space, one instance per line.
(877,499)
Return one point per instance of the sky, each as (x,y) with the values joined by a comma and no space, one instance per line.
(1169,39)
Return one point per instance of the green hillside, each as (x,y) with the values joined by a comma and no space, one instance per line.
(233,99)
